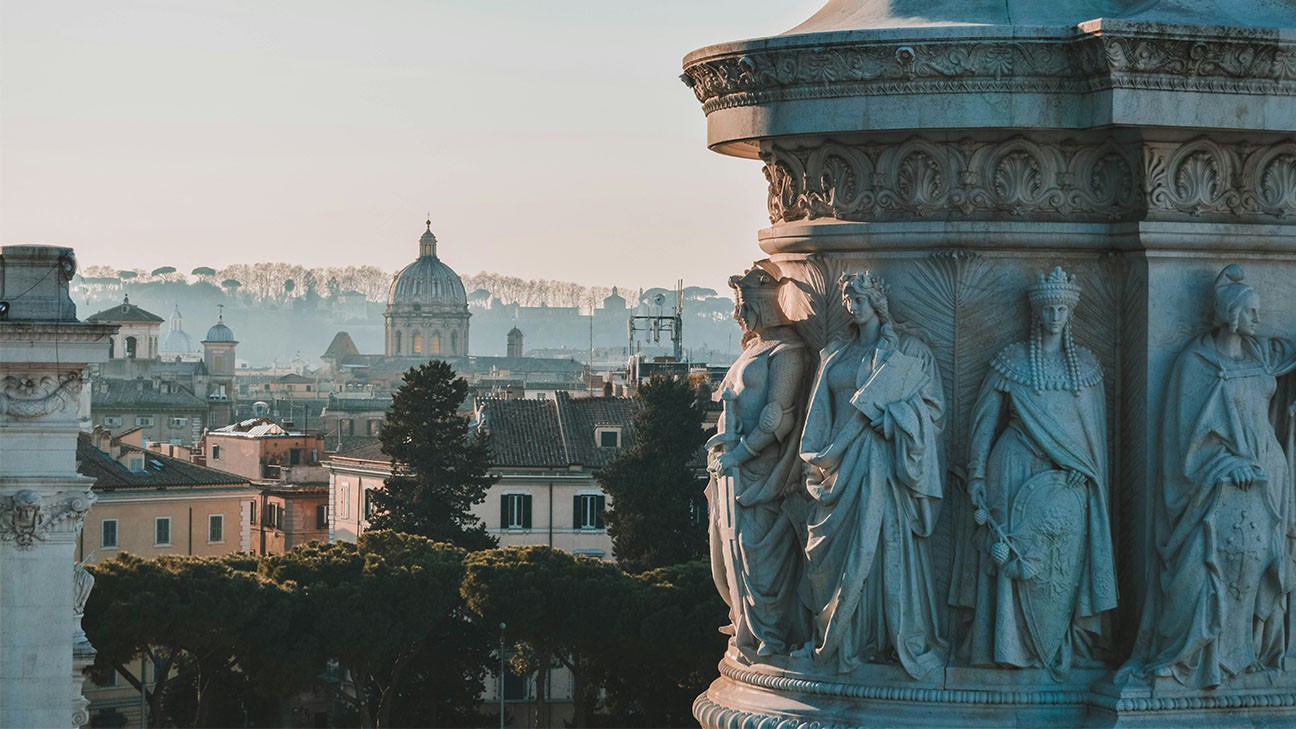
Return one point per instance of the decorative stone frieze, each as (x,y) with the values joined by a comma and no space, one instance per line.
(1038,179)
(1077,65)
(27,517)
(36,396)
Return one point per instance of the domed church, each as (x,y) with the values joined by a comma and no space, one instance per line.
(427,307)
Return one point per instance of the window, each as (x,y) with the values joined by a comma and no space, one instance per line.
(321,516)
(108,534)
(587,511)
(515,511)
(436,343)
(252,513)
(144,421)
(369,506)
(398,342)
(215,453)
(179,422)
(516,688)
(130,347)
(418,344)
(344,500)
(135,463)
(294,457)
(274,516)
(608,437)
(111,421)
(162,531)
(216,528)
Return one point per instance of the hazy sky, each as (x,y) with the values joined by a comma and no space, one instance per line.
(548,138)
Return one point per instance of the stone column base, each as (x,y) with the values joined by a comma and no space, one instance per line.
(771,697)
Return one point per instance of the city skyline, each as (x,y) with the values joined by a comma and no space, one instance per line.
(550,141)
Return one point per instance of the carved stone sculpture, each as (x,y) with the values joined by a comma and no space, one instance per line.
(755,548)
(1037,476)
(874,480)
(1224,521)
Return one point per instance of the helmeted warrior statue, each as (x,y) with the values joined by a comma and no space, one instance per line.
(755,548)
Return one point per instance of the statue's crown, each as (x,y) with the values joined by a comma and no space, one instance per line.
(861,282)
(1057,287)
(760,280)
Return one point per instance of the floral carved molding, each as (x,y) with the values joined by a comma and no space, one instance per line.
(29,397)
(1088,63)
(27,517)
(1096,181)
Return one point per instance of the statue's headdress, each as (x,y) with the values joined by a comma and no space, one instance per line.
(760,281)
(862,283)
(1057,287)
(1230,294)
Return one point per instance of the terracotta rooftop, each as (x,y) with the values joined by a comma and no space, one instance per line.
(159,471)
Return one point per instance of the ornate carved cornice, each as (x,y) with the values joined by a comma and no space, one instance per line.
(27,517)
(27,397)
(1247,63)
(1039,179)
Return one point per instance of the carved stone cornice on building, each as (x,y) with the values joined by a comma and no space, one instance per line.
(26,397)
(26,517)
(1241,64)
(1031,179)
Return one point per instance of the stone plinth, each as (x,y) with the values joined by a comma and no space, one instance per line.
(43,501)
(959,150)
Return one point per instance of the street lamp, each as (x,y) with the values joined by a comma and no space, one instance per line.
(503,626)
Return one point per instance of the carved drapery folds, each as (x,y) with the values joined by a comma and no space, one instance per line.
(1044,179)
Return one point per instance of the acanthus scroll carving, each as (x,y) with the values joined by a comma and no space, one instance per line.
(27,517)
(25,397)
(1019,177)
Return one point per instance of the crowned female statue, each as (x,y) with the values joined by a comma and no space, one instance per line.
(1037,476)
(1224,521)
(755,548)
(874,475)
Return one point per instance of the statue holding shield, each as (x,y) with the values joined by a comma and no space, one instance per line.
(755,547)
(1037,476)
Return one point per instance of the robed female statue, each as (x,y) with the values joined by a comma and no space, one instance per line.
(874,473)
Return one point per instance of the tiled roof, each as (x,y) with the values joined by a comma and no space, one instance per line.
(125,312)
(556,433)
(361,447)
(292,378)
(160,472)
(342,346)
(140,394)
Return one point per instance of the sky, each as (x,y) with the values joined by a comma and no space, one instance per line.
(546,138)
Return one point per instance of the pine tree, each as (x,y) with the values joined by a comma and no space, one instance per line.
(439,469)
(658,512)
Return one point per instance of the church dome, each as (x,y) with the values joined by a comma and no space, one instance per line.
(219,333)
(177,340)
(428,282)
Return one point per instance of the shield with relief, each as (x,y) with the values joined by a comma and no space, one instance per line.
(1048,525)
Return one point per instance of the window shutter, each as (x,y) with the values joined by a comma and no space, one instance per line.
(600,504)
(504,511)
(577,520)
(526,511)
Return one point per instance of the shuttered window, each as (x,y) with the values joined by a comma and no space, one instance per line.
(515,511)
(587,511)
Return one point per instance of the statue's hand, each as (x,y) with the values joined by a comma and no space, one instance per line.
(726,461)
(1076,479)
(977,492)
(1242,478)
(999,553)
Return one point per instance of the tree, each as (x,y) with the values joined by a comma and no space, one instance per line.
(560,609)
(195,620)
(205,271)
(381,608)
(657,516)
(439,469)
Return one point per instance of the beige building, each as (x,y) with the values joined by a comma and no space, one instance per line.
(546,454)
(150,504)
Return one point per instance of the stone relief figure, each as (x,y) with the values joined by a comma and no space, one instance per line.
(1037,476)
(755,547)
(1223,513)
(873,474)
